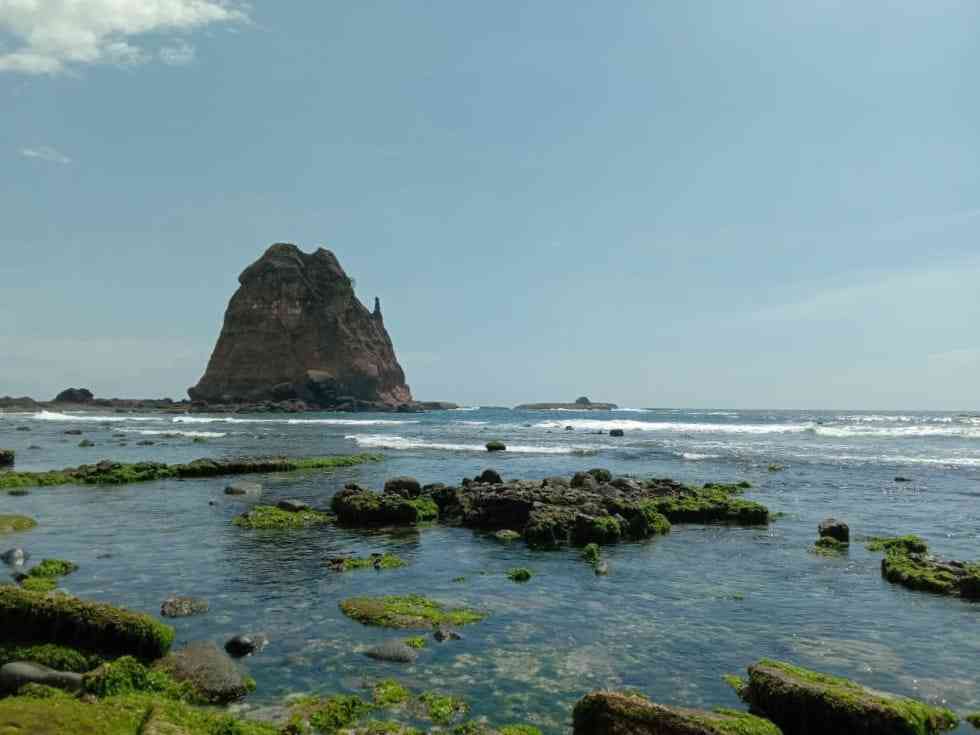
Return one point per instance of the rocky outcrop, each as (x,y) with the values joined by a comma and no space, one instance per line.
(294,330)
(75,395)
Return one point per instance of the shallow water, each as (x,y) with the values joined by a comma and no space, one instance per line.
(673,616)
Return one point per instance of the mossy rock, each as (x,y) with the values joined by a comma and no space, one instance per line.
(506,535)
(711,504)
(59,658)
(974,719)
(613,713)
(442,709)
(800,701)
(408,611)
(375,561)
(827,545)
(326,714)
(88,626)
(14,523)
(39,584)
(360,507)
(136,714)
(520,574)
(917,572)
(591,553)
(388,692)
(496,446)
(270,517)
(53,568)
(7,457)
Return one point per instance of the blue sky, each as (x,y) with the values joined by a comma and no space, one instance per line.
(761,204)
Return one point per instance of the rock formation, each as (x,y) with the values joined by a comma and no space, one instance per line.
(295,330)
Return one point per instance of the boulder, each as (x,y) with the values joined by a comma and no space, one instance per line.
(613,713)
(18,673)
(245,645)
(7,457)
(835,529)
(496,446)
(296,329)
(14,557)
(214,676)
(584,480)
(394,652)
(253,489)
(405,487)
(359,507)
(489,477)
(74,395)
(616,432)
(181,606)
(804,702)
(443,633)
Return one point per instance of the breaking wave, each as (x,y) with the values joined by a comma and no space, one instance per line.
(384,441)
(55,416)
(176,432)
(669,426)
(294,422)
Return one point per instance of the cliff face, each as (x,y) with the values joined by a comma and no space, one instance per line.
(295,329)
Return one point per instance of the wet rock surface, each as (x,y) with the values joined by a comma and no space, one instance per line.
(209,669)
(183,606)
(393,651)
(835,529)
(18,673)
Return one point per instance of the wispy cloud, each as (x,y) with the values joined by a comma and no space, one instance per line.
(45,153)
(57,35)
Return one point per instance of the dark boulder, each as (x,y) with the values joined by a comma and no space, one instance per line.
(835,529)
(496,446)
(7,457)
(489,477)
(245,645)
(616,432)
(405,487)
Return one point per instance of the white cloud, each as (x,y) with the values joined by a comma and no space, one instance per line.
(57,35)
(45,153)
(177,55)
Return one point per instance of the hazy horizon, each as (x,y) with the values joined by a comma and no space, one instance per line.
(649,203)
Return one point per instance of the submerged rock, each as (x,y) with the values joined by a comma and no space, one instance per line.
(253,489)
(908,563)
(15,557)
(7,457)
(18,673)
(616,432)
(613,713)
(489,477)
(182,606)
(393,651)
(357,506)
(801,702)
(407,611)
(214,676)
(292,506)
(12,523)
(445,633)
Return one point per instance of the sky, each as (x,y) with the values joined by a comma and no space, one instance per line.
(656,203)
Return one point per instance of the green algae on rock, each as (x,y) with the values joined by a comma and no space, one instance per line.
(270,517)
(13,523)
(408,611)
(89,626)
(519,574)
(974,719)
(120,473)
(358,506)
(126,675)
(800,700)
(375,561)
(829,546)
(53,568)
(39,584)
(612,713)
(442,709)
(59,658)
(417,642)
(904,544)
(326,714)
(388,692)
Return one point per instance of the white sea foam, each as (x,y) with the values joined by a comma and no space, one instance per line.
(176,432)
(293,422)
(473,423)
(385,441)
(113,418)
(695,456)
(946,430)
(465,408)
(669,426)
(901,459)
(631,410)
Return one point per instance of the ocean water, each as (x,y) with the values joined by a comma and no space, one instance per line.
(673,616)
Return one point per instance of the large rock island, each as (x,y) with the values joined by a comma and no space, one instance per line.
(294,330)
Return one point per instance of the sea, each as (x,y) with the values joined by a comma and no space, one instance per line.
(673,616)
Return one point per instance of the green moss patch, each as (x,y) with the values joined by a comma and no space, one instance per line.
(520,730)
(592,554)
(519,574)
(270,517)
(416,642)
(120,473)
(408,611)
(360,507)
(39,584)
(442,709)
(389,692)
(830,546)
(326,714)
(974,719)
(126,675)
(904,544)
(89,626)
(14,523)
(382,561)
(53,568)
(711,504)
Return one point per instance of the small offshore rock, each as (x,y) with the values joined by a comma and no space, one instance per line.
(496,446)
(244,488)
(405,487)
(144,443)
(23,428)
(442,633)
(18,673)
(902,479)
(393,651)
(85,443)
(6,457)
(14,557)
(183,606)
(73,432)
(601,568)
(245,645)
(616,432)
(835,529)
(506,535)
(490,477)
(292,506)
